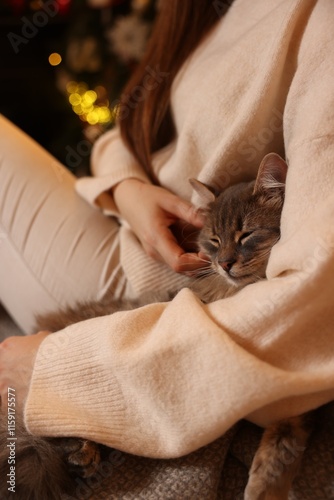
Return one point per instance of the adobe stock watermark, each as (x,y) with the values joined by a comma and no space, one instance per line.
(85,488)
(289,453)
(11,438)
(153,78)
(74,156)
(250,149)
(30,27)
(323,250)
(256,143)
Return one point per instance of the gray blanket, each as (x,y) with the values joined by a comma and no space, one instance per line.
(216,472)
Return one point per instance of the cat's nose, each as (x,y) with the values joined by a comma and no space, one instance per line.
(227,265)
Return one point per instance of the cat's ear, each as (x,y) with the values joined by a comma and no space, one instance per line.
(205,193)
(272,173)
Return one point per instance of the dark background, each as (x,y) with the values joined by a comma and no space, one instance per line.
(30,93)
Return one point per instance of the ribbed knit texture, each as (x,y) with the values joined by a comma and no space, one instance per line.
(166,379)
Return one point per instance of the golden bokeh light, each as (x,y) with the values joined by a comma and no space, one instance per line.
(84,103)
(55,59)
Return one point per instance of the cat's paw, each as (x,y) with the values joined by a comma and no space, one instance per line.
(264,482)
(81,455)
(255,489)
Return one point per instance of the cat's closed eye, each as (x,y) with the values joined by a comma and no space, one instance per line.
(215,241)
(244,236)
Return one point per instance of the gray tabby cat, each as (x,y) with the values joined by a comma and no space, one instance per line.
(241,226)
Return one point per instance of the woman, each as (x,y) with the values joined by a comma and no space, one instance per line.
(220,87)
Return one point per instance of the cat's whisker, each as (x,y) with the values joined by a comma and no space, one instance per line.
(204,260)
(206,269)
(257,277)
(206,273)
(263,254)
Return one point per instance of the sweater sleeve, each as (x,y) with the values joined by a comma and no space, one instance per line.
(166,379)
(111,162)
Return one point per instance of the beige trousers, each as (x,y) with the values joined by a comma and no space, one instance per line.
(55,249)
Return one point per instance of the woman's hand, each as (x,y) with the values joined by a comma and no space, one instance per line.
(17,358)
(156,216)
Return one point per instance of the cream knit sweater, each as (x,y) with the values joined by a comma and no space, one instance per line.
(168,378)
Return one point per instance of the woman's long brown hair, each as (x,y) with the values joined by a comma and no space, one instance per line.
(145,118)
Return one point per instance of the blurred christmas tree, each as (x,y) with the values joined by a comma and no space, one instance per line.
(74,56)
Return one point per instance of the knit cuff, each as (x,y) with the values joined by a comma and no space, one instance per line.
(62,398)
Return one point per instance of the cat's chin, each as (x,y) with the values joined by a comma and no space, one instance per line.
(245,280)
(230,280)
(238,281)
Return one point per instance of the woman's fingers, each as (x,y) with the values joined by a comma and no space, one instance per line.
(174,255)
(153,213)
(182,210)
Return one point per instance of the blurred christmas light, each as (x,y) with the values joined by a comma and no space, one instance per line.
(18,6)
(101,91)
(89,97)
(82,87)
(78,109)
(64,6)
(92,117)
(75,99)
(72,87)
(92,106)
(36,4)
(55,59)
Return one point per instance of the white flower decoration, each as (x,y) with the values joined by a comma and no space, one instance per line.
(128,38)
